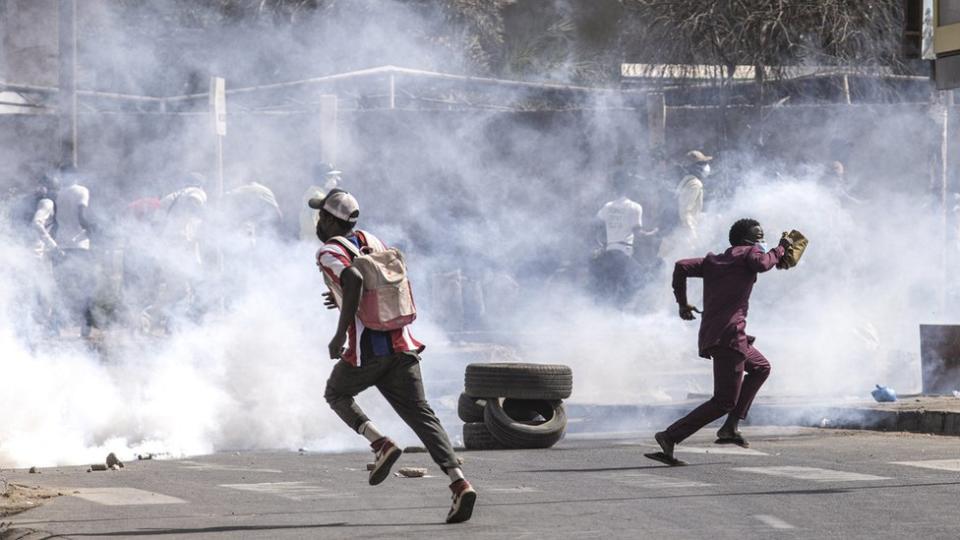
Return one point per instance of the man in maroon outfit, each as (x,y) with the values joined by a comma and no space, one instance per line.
(728,280)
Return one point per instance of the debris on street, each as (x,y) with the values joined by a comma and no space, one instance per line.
(411,472)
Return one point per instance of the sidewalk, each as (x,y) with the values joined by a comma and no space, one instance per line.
(938,415)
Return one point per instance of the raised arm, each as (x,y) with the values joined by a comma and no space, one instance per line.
(761,262)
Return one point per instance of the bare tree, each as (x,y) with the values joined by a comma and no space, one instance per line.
(770,35)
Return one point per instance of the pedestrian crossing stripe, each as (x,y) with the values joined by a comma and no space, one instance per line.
(652,481)
(198,466)
(773,522)
(730,450)
(952,465)
(520,489)
(124,496)
(295,491)
(812,474)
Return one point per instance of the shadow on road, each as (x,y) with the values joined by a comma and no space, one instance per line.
(240,528)
(608,469)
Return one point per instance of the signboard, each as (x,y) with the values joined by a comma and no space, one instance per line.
(946,20)
(218,105)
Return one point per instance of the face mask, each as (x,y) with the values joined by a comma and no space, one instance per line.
(762,245)
(705,170)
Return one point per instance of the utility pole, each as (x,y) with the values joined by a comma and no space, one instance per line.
(67,96)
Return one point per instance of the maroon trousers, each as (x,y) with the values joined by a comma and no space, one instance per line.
(733,392)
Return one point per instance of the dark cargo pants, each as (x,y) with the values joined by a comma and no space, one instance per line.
(398,378)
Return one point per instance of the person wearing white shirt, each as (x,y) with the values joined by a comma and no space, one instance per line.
(72,224)
(615,273)
(621,218)
(690,192)
(43,224)
(75,270)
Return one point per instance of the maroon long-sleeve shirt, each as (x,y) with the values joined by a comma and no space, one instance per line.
(728,280)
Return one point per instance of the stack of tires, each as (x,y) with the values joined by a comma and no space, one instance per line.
(514,405)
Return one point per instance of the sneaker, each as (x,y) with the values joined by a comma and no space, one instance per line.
(464,497)
(385,455)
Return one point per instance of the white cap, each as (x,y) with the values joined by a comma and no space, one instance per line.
(338,203)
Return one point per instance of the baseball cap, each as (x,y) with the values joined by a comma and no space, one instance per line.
(323,169)
(339,203)
(696,156)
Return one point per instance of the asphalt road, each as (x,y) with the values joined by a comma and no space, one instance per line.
(793,483)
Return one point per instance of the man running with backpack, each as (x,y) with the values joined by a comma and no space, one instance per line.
(367,280)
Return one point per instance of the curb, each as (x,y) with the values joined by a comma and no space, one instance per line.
(599,418)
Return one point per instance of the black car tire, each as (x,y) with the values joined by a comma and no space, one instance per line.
(476,436)
(519,381)
(514,433)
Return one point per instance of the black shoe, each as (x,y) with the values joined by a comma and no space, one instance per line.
(666,456)
(726,437)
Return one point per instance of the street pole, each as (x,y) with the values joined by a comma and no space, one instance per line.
(67,96)
(218,115)
(946,100)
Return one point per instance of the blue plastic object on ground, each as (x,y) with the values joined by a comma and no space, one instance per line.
(882,394)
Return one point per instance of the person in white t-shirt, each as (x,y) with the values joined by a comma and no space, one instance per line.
(72,224)
(329,178)
(615,273)
(75,271)
(43,224)
(623,221)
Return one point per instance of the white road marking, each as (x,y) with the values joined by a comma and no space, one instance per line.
(813,474)
(295,491)
(123,496)
(952,465)
(773,521)
(731,450)
(652,481)
(197,466)
(523,489)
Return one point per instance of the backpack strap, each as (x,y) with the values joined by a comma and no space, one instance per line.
(347,245)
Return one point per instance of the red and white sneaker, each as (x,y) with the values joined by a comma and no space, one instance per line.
(464,497)
(385,455)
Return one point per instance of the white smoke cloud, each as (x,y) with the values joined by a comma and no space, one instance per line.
(488,193)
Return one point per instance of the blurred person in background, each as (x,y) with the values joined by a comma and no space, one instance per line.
(75,272)
(689,193)
(255,207)
(614,271)
(37,215)
(324,177)
(835,179)
(182,218)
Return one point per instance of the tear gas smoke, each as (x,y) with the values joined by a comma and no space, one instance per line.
(486,194)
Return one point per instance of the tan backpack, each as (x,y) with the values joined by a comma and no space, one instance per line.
(386,302)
